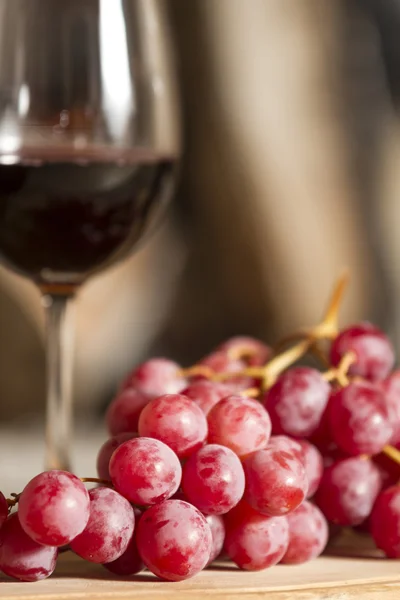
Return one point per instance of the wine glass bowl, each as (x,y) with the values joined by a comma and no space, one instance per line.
(88,83)
(89,142)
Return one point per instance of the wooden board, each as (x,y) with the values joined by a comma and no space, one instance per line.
(328,578)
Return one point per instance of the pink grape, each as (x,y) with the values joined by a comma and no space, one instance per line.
(107,450)
(123,413)
(3,509)
(307,453)
(130,562)
(21,557)
(156,377)
(276,481)
(175,420)
(385,522)
(373,350)
(308,534)
(287,444)
(54,508)
(239,423)
(255,352)
(359,419)
(145,471)
(207,394)
(220,362)
(213,479)
(296,402)
(109,529)
(217,527)
(313,464)
(391,390)
(254,541)
(174,540)
(348,490)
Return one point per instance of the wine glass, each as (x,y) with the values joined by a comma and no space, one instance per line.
(89,141)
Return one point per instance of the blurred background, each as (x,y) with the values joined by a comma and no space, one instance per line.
(291,172)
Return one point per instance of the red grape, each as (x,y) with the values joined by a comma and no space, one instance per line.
(109,529)
(21,557)
(155,377)
(313,464)
(175,420)
(348,490)
(220,362)
(283,442)
(54,508)
(308,534)
(207,394)
(130,562)
(213,479)
(373,350)
(145,471)
(276,481)
(255,352)
(217,527)
(385,522)
(359,418)
(307,453)
(254,541)
(296,402)
(106,451)
(123,413)
(239,423)
(391,389)
(174,540)
(3,509)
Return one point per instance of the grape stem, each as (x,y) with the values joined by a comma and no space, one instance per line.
(392,453)
(13,500)
(96,480)
(201,370)
(282,361)
(251,392)
(340,373)
(268,374)
(328,328)
(241,352)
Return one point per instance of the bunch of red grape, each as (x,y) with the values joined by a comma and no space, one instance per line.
(244,455)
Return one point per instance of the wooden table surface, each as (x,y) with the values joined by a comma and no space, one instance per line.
(328,578)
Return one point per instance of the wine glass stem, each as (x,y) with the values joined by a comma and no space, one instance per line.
(59,342)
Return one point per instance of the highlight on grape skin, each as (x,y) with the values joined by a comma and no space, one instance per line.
(222,457)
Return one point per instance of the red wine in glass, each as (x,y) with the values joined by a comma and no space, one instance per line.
(61,221)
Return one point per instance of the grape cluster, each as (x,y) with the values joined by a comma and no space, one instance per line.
(246,454)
